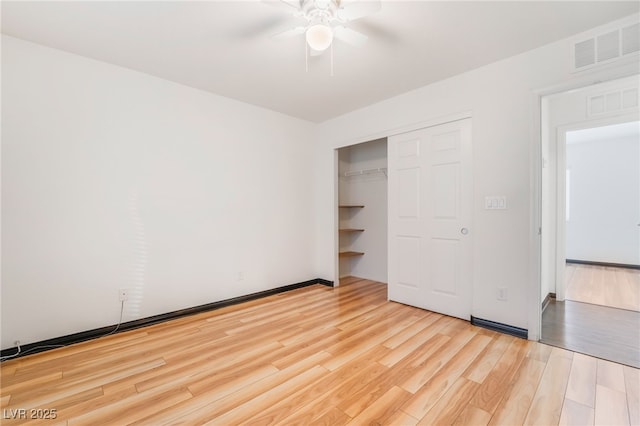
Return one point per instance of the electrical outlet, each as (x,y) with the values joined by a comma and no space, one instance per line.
(123,294)
(503,294)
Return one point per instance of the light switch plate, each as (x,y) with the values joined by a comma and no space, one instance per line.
(495,202)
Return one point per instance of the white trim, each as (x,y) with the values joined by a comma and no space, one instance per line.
(534,310)
(336,220)
(436,121)
(560,183)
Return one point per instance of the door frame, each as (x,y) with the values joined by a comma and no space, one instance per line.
(384,133)
(534,310)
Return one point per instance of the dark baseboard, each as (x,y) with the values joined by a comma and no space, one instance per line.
(499,327)
(324,282)
(547,299)
(612,265)
(45,345)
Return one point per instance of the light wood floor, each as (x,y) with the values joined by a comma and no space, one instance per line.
(320,356)
(603,285)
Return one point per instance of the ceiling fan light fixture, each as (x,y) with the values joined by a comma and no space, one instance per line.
(319,37)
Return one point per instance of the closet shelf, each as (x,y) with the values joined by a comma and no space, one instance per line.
(350,253)
(365,172)
(351,230)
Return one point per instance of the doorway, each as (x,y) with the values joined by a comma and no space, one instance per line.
(602,228)
(590,212)
(362,212)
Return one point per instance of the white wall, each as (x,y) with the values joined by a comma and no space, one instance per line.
(371,191)
(112,178)
(501,99)
(604,200)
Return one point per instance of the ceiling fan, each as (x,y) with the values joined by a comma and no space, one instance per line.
(322,21)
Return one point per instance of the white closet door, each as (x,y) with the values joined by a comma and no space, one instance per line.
(430,235)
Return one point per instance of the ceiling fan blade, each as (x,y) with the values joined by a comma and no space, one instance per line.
(350,36)
(289,33)
(291,6)
(356,9)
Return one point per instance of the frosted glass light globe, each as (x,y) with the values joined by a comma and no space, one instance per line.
(319,37)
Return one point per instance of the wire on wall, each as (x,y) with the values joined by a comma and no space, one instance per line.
(19,352)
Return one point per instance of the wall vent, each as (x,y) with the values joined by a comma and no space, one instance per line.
(631,39)
(606,47)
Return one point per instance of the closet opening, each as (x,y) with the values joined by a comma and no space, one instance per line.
(362,212)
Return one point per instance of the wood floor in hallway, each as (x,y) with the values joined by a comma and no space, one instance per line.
(318,355)
(603,285)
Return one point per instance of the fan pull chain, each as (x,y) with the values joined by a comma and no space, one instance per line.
(331,59)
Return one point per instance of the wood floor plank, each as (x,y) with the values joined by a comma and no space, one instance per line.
(582,380)
(17,386)
(632,387)
(400,418)
(410,331)
(383,408)
(514,405)
(473,415)
(603,285)
(133,408)
(375,336)
(539,351)
(425,370)
(611,407)
(319,355)
(289,405)
(478,371)
(41,396)
(546,406)
(91,405)
(425,398)
(449,407)
(258,404)
(315,409)
(217,401)
(496,383)
(333,417)
(4,400)
(576,414)
(413,343)
(226,368)
(610,375)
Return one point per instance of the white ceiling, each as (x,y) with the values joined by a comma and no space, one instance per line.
(225,48)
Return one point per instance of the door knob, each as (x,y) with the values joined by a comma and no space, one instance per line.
(464,231)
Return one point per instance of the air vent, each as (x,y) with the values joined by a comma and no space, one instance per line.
(631,39)
(606,47)
(585,53)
